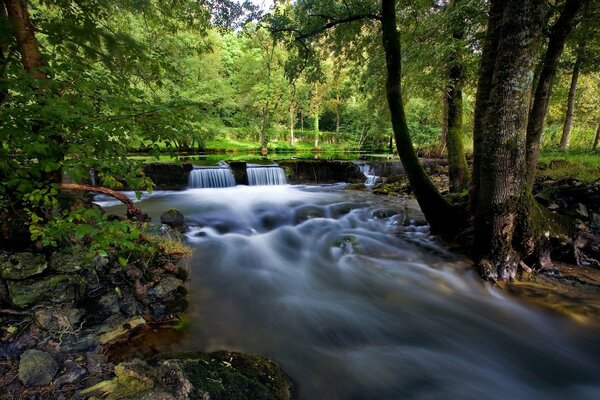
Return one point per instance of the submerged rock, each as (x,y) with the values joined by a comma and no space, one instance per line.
(37,368)
(21,265)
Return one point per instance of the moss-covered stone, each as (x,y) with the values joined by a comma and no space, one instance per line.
(70,261)
(21,265)
(58,288)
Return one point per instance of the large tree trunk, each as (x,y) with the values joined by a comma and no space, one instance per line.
(503,235)
(597,138)
(457,163)
(441,216)
(568,126)
(537,116)
(484,87)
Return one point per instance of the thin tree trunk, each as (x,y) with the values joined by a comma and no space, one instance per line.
(301,122)
(484,87)
(503,201)
(444,121)
(597,138)
(3,55)
(537,116)
(568,126)
(337,118)
(441,216)
(316,127)
(263,130)
(457,162)
(292,118)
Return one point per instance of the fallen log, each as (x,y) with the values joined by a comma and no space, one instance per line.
(132,211)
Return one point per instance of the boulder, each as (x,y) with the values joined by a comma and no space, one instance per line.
(167,296)
(58,319)
(21,265)
(58,288)
(174,219)
(37,368)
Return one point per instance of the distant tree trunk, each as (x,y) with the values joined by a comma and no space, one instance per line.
(597,138)
(509,225)
(537,116)
(484,87)
(263,130)
(3,55)
(457,163)
(444,121)
(316,127)
(292,118)
(568,126)
(301,121)
(337,119)
(441,216)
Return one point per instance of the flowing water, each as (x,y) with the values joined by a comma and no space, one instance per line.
(211,177)
(358,307)
(261,175)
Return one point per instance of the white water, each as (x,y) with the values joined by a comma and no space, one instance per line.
(355,307)
(370,177)
(209,177)
(259,175)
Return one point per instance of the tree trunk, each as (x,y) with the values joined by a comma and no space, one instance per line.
(504,207)
(537,116)
(24,32)
(457,163)
(484,87)
(263,130)
(441,216)
(292,118)
(597,138)
(316,127)
(3,55)
(568,126)
(337,119)
(444,121)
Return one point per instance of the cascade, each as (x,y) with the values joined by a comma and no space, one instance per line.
(367,171)
(211,177)
(265,175)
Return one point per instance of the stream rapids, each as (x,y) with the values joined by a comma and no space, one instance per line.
(356,303)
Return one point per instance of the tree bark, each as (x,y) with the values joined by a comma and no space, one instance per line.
(444,121)
(292,118)
(263,130)
(597,138)
(568,126)
(316,127)
(457,162)
(504,205)
(537,116)
(484,87)
(441,216)
(3,55)
(337,119)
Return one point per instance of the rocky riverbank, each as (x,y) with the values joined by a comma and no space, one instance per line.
(61,312)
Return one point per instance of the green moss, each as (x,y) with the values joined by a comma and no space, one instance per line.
(56,288)
(582,165)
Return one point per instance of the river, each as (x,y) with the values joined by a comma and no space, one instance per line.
(355,303)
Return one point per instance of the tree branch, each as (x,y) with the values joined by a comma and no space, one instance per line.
(132,210)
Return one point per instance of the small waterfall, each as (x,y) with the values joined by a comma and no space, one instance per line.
(367,171)
(211,177)
(265,175)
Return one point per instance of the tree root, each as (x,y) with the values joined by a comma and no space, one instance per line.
(132,211)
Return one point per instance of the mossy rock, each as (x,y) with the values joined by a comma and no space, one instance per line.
(58,289)
(232,376)
(73,260)
(21,265)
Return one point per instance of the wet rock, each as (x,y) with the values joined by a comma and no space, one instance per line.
(341,209)
(58,319)
(356,186)
(129,306)
(79,343)
(582,210)
(162,395)
(72,373)
(131,379)
(174,219)
(240,172)
(21,265)
(109,303)
(382,213)
(37,368)
(94,363)
(58,289)
(307,212)
(72,261)
(168,296)
(122,331)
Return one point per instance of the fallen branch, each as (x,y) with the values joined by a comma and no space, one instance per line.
(132,210)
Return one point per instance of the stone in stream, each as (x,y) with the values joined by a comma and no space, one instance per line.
(21,265)
(37,368)
(174,219)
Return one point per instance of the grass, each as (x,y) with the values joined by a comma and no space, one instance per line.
(580,164)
